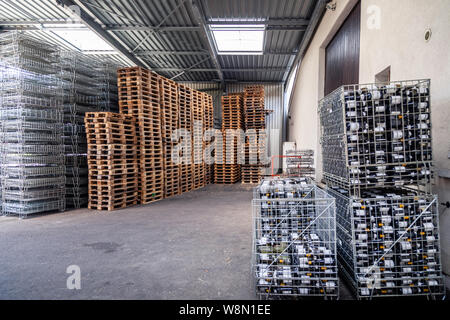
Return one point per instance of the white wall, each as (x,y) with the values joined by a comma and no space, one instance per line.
(399,43)
(309,87)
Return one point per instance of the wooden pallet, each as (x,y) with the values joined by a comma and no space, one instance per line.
(169,106)
(255,114)
(113,204)
(170,118)
(208,122)
(160,106)
(227,173)
(186,122)
(251,174)
(139,96)
(112,160)
(108,117)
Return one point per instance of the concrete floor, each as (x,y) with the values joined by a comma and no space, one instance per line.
(193,246)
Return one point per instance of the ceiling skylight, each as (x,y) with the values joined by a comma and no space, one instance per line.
(83,39)
(238,39)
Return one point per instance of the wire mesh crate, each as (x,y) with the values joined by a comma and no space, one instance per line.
(108,96)
(79,73)
(32,163)
(377,135)
(23,209)
(294,240)
(388,242)
(299,163)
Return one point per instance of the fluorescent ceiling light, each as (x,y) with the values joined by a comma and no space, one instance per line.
(238,39)
(85,40)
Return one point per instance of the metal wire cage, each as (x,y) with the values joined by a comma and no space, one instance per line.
(294,240)
(79,73)
(377,135)
(31,114)
(300,163)
(107,85)
(388,243)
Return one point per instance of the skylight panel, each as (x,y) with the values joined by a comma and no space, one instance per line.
(238,39)
(85,40)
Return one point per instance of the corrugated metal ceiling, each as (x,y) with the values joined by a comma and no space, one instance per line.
(150,29)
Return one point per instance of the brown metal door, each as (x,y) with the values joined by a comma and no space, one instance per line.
(342,53)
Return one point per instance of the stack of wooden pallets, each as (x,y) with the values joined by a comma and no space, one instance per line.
(168,90)
(156,107)
(186,167)
(112,160)
(226,170)
(139,97)
(208,123)
(198,165)
(255,118)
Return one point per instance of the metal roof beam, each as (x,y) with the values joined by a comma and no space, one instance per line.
(35,25)
(282,69)
(200,16)
(97,28)
(155,29)
(286,28)
(224,70)
(269,22)
(190,68)
(199,53)
(32,23)
(280,53)
(316,16)
(41,27)
(168,52)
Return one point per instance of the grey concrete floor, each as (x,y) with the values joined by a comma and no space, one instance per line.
(193,246)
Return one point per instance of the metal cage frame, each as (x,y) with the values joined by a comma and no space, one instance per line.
(294,240)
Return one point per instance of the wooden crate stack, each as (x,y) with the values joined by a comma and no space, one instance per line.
(170,120)
(208,123)
(186,173)
(139,97)
(255,118)
(197,138)
(232,118)
(112,160)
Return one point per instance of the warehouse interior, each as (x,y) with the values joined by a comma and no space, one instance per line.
(109,111)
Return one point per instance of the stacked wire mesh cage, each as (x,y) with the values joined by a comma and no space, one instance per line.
(300,163)
(80,96)
(106,84)
(32,158)
(294,240)
(377,162)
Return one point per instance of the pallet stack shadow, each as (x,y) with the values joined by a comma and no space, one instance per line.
(255,119)
(112,159)
(294,240)
(377,162)
(139,97)
(228,170)
(31,114)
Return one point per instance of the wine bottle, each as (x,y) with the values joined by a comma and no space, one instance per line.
(395,100)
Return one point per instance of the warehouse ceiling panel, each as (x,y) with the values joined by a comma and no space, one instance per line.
(179,39)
